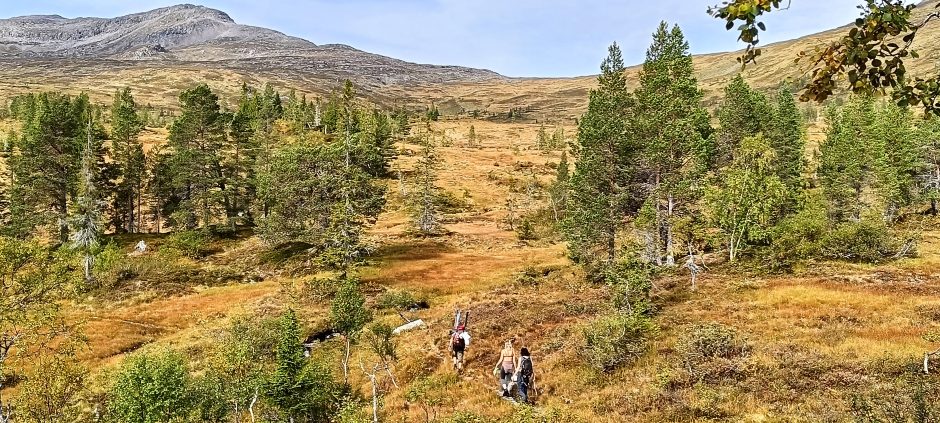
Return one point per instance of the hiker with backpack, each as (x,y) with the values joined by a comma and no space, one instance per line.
(459,342)
(525,375)
(506,368)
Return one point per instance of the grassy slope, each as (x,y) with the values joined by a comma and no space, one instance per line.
(817,337)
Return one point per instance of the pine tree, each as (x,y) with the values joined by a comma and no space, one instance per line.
(604,182)
(197,139)
(743,113)
(787,139)
(251,129)
(845,169)
(305,186)
(674,127)
(126,125)
(48,160)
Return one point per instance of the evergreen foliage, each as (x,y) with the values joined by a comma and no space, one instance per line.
(130,162)
(675,129)
(604,184)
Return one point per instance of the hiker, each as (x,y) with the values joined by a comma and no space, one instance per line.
(525,375)
(459,342)
(506,367)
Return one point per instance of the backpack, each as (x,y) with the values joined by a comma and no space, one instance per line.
(525,368)
(457,342)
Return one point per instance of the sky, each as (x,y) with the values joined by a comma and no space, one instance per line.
(525,38)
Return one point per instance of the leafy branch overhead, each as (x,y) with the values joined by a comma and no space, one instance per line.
(870,56)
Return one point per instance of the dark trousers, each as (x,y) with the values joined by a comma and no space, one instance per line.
(523,390)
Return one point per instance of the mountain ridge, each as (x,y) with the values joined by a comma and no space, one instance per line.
(190,33)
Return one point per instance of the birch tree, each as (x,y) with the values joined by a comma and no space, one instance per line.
(745,199)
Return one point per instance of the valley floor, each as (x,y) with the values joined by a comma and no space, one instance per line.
(818,338)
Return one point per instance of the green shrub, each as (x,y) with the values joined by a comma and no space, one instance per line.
(615,340)
(910,399)
(191,244)
(526,230)
(109,264)
(862,242)
(630,284)
(152,388)
(399,300)
(712,351)
(797,238)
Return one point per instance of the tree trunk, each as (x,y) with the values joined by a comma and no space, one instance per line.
(670,256)
(251,406)
(63,219)
(346,360)
(375,398)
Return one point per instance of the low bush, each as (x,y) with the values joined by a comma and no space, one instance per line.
(617,339)
(862,242)
(706,341)
(400,300)
(190,244)
(630,283)
(797,238)
(712,351)
(526,231)
(910,399)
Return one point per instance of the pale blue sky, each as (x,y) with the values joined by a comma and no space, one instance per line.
(512,37)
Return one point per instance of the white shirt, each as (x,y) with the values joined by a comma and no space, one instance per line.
(466,338)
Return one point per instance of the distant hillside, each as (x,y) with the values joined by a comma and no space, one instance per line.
(163,51)
(196,34)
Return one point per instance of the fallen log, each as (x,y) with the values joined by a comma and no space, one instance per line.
(409,326)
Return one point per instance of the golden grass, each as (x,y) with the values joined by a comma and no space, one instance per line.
(841,319)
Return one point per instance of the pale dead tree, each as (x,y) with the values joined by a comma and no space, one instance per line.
(316,115)
(373,379)
(694,268)
(251,406)
(427,213)
(927,360)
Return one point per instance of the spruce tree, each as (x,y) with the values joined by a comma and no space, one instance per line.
(348,315)
(302,391)
(897,156)
(126,125)
(929,136)
(472,137)
(424,203)
(543,142)
(674,128)
(86,221)
(604,183)
(558,192)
